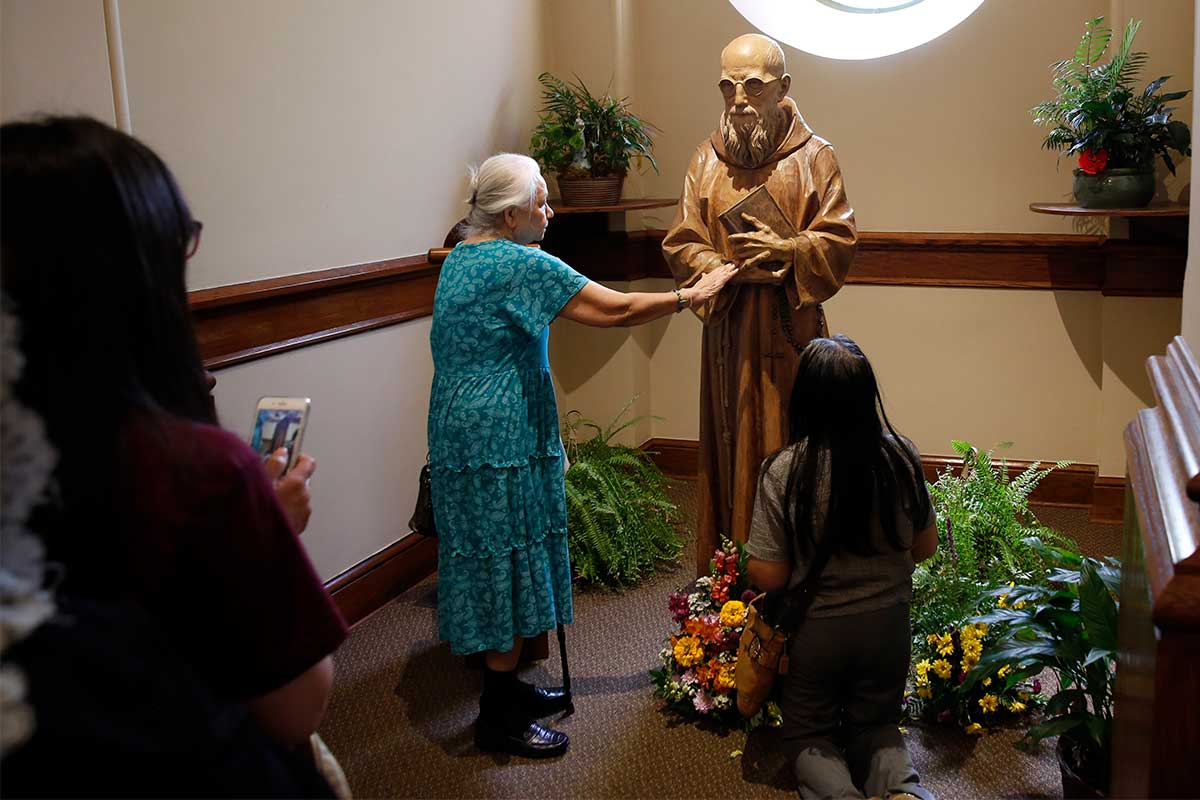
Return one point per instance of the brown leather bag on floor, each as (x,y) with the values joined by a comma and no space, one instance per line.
(771,619)
(762,654)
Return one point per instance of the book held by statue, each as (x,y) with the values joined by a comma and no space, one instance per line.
(762,206)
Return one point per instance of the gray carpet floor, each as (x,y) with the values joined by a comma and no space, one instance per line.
(402,708)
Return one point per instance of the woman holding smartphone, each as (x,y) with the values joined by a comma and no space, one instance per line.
(494,448)
(156,507)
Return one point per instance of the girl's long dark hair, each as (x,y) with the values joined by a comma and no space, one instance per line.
(837,414)
(94,234)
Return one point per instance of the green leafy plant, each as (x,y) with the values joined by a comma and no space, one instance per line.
(1067,624)
(579,135)
(983,522)
(1097,113)
(620,520)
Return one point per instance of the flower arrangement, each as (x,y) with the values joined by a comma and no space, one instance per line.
(942,692)
(699,659)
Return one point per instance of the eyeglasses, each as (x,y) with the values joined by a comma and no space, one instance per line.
(753,86)
(192,243)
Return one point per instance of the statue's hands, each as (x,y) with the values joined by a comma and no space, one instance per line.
(761,245)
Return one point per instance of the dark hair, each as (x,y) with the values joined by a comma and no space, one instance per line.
(94,232)
(836,413)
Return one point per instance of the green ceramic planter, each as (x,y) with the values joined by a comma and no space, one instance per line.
(1114,188)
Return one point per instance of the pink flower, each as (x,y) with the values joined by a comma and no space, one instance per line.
(677,604)
(748,595)
(703,702)
(1037,685)
(688,678)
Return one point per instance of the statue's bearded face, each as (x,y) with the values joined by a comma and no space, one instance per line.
(753,122)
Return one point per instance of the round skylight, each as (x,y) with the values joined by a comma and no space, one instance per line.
(855,29)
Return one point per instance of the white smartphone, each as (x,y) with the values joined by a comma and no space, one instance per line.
(280,422)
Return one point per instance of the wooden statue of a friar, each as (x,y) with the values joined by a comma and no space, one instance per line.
(793,246)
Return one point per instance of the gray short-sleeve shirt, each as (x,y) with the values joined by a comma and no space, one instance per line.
(849,584)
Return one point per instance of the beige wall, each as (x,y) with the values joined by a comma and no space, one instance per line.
(370,395)
(54,59)
(935,139)
(311,134)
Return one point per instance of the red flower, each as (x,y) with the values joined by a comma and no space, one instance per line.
(1093,161)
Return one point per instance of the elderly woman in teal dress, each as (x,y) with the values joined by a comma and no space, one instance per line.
(494,448)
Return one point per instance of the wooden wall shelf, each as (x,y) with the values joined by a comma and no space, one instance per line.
(623,205)
(1152,210)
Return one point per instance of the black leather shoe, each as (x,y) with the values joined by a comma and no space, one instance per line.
(532,741)
(540,702)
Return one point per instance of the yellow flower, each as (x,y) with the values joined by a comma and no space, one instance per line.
(931,638)
(733,613)
(1023,695)
(1019,605)
(945,645)
(942,668)
(1017,707)
(922,680)
(1000,602)
(974,727)
(987,681)
(989,703)
(922,667)
(724,679)
(982,627)
(1007,668)
(688,651)
(924,692)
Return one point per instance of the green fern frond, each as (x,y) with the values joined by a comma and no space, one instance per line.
(620,519)
(983,524)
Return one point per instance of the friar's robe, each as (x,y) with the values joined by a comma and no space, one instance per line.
(753,333)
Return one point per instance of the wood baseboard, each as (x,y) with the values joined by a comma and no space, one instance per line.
(372,583)
(1108,500)
(1076,486)
(677,458)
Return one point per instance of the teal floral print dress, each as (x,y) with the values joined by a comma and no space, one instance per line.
(494,449)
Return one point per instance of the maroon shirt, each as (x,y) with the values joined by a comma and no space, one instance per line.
(203,544)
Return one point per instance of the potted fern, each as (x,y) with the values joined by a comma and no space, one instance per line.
(587,141)
(1115,131)
(983,520)
(984,527)
(620,520)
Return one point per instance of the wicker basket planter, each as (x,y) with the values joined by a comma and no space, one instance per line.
(590,191)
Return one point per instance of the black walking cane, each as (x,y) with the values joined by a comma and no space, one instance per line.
(562,656)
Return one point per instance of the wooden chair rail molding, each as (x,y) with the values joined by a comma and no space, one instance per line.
(965,260)
(1157,724)
(246,321)
(1076,486)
